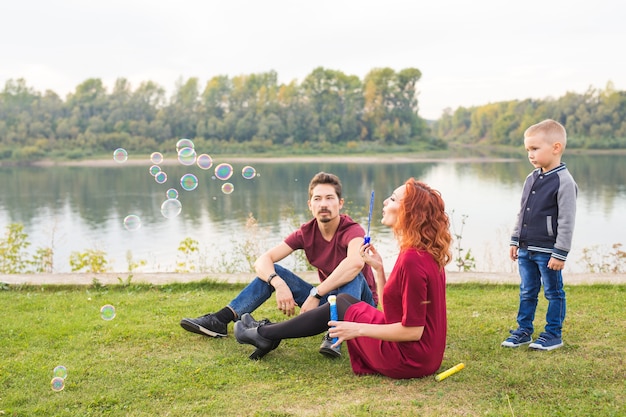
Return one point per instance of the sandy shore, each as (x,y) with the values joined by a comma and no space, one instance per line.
(370,159)
(258,159)
(168,278)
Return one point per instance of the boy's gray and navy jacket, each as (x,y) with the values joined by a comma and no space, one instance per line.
(545,222)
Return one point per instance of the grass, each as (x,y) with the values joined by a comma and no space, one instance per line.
(143,364)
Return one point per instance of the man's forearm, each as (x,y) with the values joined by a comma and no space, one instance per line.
(345,272)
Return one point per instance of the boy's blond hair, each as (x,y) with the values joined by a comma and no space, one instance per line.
(552,130)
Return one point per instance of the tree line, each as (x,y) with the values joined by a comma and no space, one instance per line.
(595,119)
(252,112)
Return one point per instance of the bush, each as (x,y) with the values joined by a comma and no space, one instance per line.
(92,260)
(12,250)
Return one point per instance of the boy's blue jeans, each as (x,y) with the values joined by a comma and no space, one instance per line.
(534,271)
(257,292)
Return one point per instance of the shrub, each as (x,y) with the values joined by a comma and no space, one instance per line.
(92,260)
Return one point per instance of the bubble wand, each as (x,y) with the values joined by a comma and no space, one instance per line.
(369,220)
(332,301)
(451,371)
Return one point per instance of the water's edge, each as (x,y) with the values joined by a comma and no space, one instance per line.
(170,278)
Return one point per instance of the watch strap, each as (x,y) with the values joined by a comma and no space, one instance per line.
(315,294)
(271,277)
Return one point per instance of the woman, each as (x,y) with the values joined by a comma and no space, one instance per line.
(408,337)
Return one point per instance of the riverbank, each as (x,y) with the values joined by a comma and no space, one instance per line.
(352,159)
(456,153)
(77,279)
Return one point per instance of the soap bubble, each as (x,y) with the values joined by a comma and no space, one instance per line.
(57,384)
(132,222)
(161,177)
(187,156)
(155,169)
(171,208)
(228,188)
(60,372)
(189,182)
(120,155)
(172,193)
(223,171)
(248,172)
(107,312)
(156,157)
(204,161)
(184,143)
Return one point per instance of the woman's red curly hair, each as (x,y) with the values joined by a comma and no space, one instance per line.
(423,222)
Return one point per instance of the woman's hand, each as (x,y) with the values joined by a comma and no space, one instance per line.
(343,330)
(371,256)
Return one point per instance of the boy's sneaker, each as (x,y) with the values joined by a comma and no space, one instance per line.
(518,337)
(207,325)
(546,341)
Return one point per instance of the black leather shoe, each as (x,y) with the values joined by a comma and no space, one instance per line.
(327,349)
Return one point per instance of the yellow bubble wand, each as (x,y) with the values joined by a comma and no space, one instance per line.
(449,372)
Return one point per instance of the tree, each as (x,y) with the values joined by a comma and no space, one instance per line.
(182,113)
(391,105)
(335,99)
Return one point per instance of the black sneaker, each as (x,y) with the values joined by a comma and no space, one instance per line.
(327,349)
(207,325)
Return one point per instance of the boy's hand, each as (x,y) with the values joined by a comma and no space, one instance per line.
(513,252)
(556,264)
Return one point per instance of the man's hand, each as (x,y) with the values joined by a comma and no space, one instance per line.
(309,304)
(284,298)
(513,252)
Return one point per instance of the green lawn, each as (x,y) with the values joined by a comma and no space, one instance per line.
(142,363)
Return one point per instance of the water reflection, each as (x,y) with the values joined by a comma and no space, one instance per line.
(78,208)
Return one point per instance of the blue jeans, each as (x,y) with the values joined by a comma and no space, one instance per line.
(534,271)
(257,292)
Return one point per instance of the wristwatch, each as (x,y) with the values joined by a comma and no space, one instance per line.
(314,293)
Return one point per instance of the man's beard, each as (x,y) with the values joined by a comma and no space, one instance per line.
(325,219)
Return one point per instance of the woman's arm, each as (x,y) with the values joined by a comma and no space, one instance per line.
(375,261)
(395,332)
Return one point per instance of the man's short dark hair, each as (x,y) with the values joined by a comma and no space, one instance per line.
(325,178)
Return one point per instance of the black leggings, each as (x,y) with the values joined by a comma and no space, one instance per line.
(307,324)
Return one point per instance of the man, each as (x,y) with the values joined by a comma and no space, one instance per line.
(331,242)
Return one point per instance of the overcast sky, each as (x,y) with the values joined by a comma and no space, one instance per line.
(469,52)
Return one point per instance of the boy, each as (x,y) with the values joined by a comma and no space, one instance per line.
(542,235)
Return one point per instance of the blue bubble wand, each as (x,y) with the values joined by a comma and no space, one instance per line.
(369,219)
(332,301)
